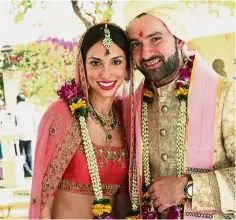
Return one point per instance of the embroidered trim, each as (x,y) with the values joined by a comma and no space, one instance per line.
(132,126)
(83,82)
(193,170)
(104,155)
(61,159)
(108,189)
(198,215)
(120,156)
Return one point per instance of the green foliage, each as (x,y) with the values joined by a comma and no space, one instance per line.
(104,10)
(44,67)
(214,6)
(20,8)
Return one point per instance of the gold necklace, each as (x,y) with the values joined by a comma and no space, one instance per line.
(108,123)
(104,118)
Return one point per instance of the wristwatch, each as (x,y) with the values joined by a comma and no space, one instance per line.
(188,189)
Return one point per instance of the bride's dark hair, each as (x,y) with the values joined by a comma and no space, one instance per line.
(96,34)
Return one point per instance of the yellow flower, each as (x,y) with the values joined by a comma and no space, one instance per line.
(98,206)
(107,210)
(132,217)
(182,202)
(80,103)
(97,212)
(181,91)
(147,195)
(148,93)
(107,206)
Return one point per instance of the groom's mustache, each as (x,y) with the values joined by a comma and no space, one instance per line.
(152,58)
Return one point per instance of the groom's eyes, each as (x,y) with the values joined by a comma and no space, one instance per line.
(135,45)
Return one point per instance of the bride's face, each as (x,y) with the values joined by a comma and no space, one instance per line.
(105,73)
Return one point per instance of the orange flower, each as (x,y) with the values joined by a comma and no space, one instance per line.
(148,93)
(181,91)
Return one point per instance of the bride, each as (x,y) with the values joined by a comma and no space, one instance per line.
(81,158)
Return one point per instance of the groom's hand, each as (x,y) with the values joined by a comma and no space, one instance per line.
(167,191)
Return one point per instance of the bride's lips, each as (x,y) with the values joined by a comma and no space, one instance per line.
(106,85)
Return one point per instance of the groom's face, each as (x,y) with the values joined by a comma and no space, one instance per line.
(154,48)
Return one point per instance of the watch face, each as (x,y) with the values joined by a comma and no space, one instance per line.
(190,190)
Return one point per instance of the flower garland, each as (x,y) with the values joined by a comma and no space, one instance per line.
(134,213)
(182,90)
(182,94)
(101,207)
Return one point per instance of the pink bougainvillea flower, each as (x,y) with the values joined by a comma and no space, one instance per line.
(68,91)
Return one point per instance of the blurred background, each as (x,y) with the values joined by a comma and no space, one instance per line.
(37,47)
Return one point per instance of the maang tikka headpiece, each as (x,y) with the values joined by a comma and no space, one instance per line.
(107,41)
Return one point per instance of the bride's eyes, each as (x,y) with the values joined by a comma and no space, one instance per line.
(98,63)
(95,63)
(116,62)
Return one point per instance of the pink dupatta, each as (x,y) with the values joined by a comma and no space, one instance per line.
(57,141)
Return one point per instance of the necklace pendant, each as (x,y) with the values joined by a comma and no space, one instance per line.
(108,138)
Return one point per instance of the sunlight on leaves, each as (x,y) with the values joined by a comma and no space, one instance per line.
(44,66)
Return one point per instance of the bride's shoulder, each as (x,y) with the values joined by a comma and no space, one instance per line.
(58,108)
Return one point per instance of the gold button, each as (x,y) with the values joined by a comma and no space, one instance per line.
(164,108)
(162,132)
(34,200)
(164,157)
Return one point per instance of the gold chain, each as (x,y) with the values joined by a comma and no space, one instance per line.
(108,123)
(105,118)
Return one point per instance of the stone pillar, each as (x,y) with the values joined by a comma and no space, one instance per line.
(11,88)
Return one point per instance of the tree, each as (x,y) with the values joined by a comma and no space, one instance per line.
(213,6)
(102,10)
(97,11)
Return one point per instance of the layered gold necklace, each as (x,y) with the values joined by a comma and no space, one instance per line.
(108,123)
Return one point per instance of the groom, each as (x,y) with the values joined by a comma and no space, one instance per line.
(185,125)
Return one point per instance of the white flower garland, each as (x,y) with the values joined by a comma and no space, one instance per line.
(180,139)
(91,160)
(145,136)
(134,192)
(181,129)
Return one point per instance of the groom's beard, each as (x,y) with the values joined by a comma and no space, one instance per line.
(164,70)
